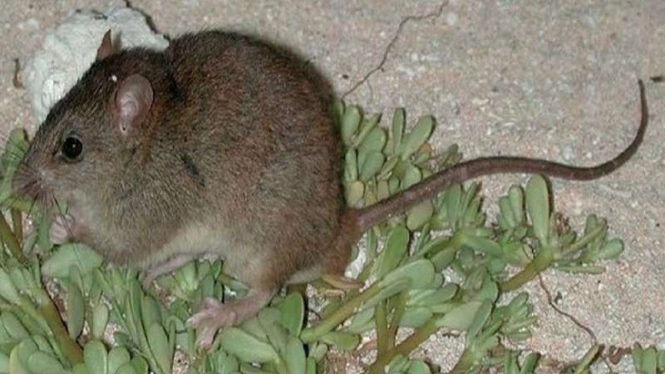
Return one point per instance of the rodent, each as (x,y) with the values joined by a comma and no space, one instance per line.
(221,144)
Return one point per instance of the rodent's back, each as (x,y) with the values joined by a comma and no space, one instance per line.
(257,137)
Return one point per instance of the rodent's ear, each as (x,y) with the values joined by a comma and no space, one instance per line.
(133,101)
(106,48)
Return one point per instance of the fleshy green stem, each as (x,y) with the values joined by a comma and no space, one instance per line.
(381,328)
(372,245)
(464,363)
(542,261)
(583,241)
(340,315)
(398,313)
(404,348)
(10,241)
(27,307)
(17,221)
(586,361)
(69,347)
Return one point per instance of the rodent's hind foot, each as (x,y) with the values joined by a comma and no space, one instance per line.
(216,315)
(213,317)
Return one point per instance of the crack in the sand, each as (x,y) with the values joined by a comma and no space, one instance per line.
(574,320)
(435,14)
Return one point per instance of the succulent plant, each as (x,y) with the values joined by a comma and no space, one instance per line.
(113,326)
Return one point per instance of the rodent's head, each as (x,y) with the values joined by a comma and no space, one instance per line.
(89,134)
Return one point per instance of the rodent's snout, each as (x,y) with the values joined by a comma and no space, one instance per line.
(28,181)
(22,178)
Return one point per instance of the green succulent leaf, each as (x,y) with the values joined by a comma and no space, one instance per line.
(295,358)
(481,317)
(419,272)
(41,362)
(419,215)
(223,363)
(7,289)
(418,367)
(351,166)
(247,347)
(374,141)
(277,335)
(371,165)
(412,176)
(338,111)
(79,369)
(344,341)
(516,198)
(350,123)
(415,317)
(354,193)
(96,357)
(461,317)
(311,366)
(538,205)
(150,311)
(395,250)
(75,310)
(399,364)
(160,347)
(611,250)
(397,129)
(417,137)
(361,321)
(388,288)
(15,364)
(4,363)
(100,318)
(57,266)
(292,313)
(13,326)
(118,356)
(125,369)
(140,365)
(529,363)
(15,148)
(254,327)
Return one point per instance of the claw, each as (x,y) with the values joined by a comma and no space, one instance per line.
(215,315)
(211,303)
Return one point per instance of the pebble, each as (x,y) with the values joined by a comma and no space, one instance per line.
(452,18)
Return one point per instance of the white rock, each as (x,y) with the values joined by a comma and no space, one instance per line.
(70,48)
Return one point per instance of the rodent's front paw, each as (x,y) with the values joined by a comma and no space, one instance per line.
(61,229)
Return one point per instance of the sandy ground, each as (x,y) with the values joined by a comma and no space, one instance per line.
(551,79)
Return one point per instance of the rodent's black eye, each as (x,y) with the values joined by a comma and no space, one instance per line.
(72,148)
